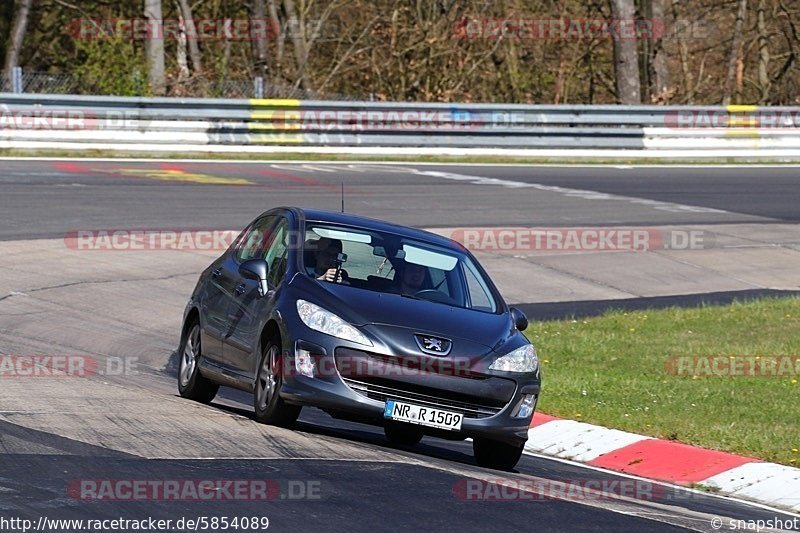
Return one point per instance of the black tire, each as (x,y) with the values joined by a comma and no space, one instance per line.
(495,454)
(400,434)
(269,407)
(191,384)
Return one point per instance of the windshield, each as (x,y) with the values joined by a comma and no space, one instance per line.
(391,264)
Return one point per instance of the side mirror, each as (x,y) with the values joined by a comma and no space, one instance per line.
(519,318)
(256,269)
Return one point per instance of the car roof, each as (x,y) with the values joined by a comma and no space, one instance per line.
(319,215)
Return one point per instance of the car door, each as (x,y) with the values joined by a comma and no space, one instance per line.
(214,308)
(223,282)
(248,307)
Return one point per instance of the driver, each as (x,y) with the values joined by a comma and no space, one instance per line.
(325,253)
(412,278)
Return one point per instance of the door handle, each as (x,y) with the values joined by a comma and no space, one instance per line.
(216,273)
(239,290)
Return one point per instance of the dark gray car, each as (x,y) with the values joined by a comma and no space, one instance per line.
(369,321)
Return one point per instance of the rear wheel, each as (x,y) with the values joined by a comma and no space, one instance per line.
(191,384)
(495,454)
(401,434)
(270,408)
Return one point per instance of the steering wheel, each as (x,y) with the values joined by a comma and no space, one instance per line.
(435,296)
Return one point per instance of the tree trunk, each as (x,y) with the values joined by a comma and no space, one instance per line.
(183,63)
(154,49)
(191,35)
(261,63)
(763,55)
(16,37)
(298,43)
(657,57)
(734,53)
(626,56)
(280,38)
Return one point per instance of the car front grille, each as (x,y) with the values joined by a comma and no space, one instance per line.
(382,393)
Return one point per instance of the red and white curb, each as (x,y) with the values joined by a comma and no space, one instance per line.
(663,460)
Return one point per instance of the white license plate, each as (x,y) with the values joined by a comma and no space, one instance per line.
(423,416)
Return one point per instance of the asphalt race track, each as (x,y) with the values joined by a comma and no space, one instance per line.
(41,199)
(329,475)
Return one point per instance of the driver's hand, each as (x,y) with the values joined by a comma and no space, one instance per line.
(330,274)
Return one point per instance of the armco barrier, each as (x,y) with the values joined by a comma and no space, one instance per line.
(170,124)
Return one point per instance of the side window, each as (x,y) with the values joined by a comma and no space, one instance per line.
(277,252)
(479,293)
(255,239)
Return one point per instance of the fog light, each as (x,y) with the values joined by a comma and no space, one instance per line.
(525,407)
(304,363)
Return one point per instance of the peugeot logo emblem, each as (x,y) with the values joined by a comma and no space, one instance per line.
(433,345)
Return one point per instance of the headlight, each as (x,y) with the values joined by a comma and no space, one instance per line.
(523,359)
(326,322)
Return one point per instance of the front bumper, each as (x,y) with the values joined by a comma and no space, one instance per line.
(360,389)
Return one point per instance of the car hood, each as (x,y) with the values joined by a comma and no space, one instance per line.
(362,307)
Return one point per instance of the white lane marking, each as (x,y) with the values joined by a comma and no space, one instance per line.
(393,163)
(353,167)
(511,184)
(320,168)
(475,180)
(570,192)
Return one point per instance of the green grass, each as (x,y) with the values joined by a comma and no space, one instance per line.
(386,158)
(610,370)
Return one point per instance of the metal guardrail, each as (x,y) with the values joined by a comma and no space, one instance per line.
(56,121)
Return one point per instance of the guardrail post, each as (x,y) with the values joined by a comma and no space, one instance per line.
(258,87)
(16,80)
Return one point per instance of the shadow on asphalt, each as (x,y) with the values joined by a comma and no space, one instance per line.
(589,308)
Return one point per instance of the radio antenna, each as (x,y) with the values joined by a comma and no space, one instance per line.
(342,196)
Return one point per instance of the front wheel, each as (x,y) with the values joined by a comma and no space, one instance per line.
(269,406)
(495,454)
(191,384)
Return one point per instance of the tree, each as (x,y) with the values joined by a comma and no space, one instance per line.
(154,48)
(626,56)
(260,53)
(763,54)
(191,33)
(733,56)
(657,71)
(297,29)
(17,35)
